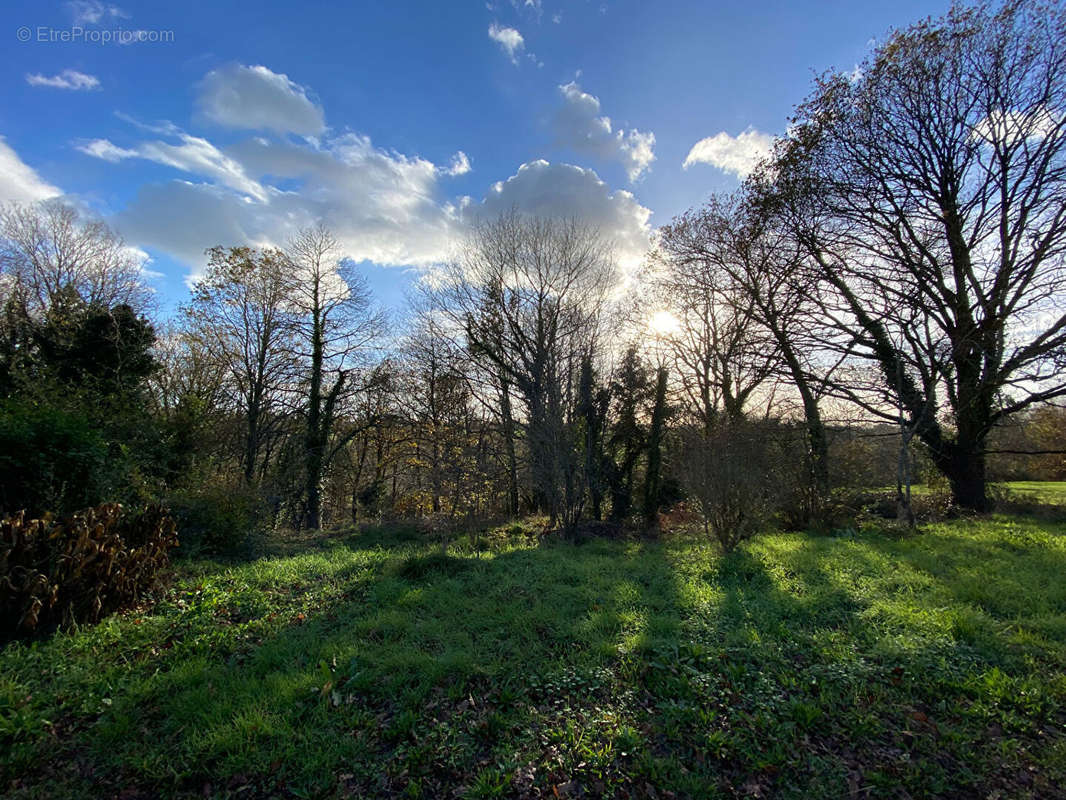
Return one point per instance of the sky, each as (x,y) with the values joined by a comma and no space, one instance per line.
(399,123)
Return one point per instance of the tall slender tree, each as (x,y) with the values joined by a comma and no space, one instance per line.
(336,328)
(240,315)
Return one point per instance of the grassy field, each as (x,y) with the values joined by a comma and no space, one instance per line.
(859,665)
(1050,492)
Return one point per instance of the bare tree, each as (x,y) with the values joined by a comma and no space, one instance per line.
(529,295)
(720,353)
(935,181)
(437,399)
(49,247)
(239,314)
(736,245)
(336,327)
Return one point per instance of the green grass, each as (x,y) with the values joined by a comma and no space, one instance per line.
(1042,492)
(377,666)
(1049,492)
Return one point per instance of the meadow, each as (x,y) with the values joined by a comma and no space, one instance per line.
(376,663)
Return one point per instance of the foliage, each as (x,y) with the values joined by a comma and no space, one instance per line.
(797,666)
(52,459)
(80,568)
(215,517)
(75,420)
(631,392)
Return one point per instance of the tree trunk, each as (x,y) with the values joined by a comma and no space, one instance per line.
(964,466)
(509,446)
(653,480)
(251,446)
(315,447)
(539,440)
(817,441)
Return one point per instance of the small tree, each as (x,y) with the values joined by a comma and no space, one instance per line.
(631,391)
(728,473)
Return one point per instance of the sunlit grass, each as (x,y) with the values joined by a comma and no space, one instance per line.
(1043,491)
(376,666)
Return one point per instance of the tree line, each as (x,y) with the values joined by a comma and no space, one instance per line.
(894,266)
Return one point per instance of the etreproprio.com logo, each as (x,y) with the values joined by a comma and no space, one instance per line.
(44,34)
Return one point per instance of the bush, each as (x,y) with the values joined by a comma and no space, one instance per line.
(51,460)
(215,519)
(81,568)
(733,478)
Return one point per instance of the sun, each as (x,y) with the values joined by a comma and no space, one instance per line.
(663,323)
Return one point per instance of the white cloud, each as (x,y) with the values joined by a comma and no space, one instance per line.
(92,12)
(736,154)
(536,6)
(105,150)
(382,205)
(67,79)
(1009,128)
(564,190)
(193,154)
(509,40)
(19,182)
(460,165)
(579,125)
(256,98)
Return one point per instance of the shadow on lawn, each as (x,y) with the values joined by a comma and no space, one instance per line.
(609,667)
(428,679)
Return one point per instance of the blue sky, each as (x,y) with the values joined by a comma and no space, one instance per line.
(397,123)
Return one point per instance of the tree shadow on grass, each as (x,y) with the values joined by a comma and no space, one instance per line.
(606,669)
(1002,580)
(428,674)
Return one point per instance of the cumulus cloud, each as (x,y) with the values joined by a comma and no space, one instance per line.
(67,79)
(256,98)
(509,40)
(736,154)
(19,182)
(459,165)
(565,190)
(579,125)
(383,206)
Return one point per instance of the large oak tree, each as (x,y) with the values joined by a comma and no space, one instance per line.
(928,189)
